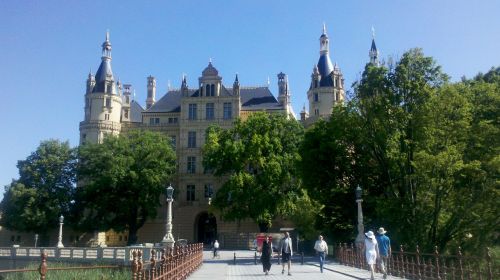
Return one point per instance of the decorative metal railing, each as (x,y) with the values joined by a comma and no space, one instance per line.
(176,264)
(417,265)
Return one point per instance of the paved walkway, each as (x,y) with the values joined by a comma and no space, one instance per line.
(224,268)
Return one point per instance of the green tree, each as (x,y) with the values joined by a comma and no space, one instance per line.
(258,157)
(122,180)
(43,191)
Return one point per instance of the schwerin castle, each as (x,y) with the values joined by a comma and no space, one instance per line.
(183,115)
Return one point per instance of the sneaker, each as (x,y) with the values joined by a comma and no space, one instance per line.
(289,274)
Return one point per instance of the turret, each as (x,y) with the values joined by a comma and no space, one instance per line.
(184,86)
(90,83)
(236,86)
(373,51)
(284,94)
(151,98)
(315,78)
(127,97)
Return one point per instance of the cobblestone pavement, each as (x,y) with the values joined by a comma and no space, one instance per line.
(223,267)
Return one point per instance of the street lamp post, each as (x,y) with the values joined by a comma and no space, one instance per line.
(361,229)
(168,239)
(61,222)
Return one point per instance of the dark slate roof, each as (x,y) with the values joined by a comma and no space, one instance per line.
(101,74)
(325,67)
(252,98)
(255,98)
(135,112)
(170,102)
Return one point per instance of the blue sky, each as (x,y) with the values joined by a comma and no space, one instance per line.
(48,47)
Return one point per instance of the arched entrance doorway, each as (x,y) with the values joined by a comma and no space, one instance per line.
(206,228)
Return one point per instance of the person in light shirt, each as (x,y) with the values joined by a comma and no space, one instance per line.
(286,253)
(322,250)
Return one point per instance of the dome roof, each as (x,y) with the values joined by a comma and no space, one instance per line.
(210,70)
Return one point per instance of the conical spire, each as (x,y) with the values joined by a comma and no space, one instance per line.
(325,66)
(104,76)
(373,50)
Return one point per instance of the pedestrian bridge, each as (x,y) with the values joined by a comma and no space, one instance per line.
(226,267)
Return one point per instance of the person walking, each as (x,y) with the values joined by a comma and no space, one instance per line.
(265,257)
(384,249)
(286,253)
(371,252)
(216,248)
(321,250)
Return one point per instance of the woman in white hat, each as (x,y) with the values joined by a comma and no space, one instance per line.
(371,252)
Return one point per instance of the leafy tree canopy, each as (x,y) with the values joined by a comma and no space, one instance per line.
(122,180)
(43,191)
(258,156)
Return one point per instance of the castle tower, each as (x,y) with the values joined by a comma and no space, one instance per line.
(103,103)
(327,83)
(373,51)
(151,99)
(127,95)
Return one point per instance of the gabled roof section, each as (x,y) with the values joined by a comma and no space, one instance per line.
(252,98)
(136,112)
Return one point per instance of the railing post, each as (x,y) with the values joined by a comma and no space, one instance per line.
(488,260)
(419,274)
(234,259)
(402,271)
(153,263)
(436,256)
(460,265)
(255,258)
(42,269)
(140,265)
(302,258)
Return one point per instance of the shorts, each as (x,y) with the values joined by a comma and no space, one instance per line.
(285,257)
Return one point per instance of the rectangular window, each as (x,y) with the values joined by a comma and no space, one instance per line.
(192,111)
(209,190)
(227,110)
(172,120)
(126,114)
(192,139)
(210,111)
(190,191)
(191,165)
(127,99)
(316,97)
(108,102)
(316,112)
(106,117)
(154,121)
(173,141)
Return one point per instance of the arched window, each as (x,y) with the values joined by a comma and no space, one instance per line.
(208,90)
(212,91)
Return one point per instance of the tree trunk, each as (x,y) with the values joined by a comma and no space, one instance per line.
(132,236)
